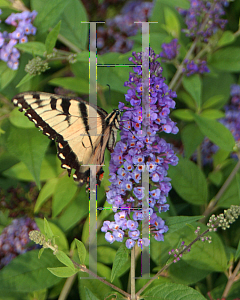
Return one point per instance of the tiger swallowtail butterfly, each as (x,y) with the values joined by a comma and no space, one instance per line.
(81,140)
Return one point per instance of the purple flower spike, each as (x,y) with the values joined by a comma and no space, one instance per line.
(170,50)
(141,151)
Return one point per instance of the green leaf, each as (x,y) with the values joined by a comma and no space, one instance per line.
(21,172)
(189,181)
(191,138)
(231,195)
(173,291)
(75,84)
(45,193)
(187,99)
(216,177)
(5,3)
(40,253)
(34,48)
(227,37)
(237,254)
(120,259)
(29,146)
(106,255)
(183,114)
(226,59)
(172,22)
(193,85)
(63,258)
(51,38)
(81,251)
(72,29)
(63,272)
(89,295)
(49,12)
(212,114)
(213,101)
(47,229)
(216,132)
(25,79)
(27,273)
(6,75)
(18,119)
(64,192)
(176,223)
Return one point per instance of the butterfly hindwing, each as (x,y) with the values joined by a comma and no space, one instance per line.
(82,131)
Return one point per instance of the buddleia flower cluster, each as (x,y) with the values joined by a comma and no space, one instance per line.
(204,18)
(138,150)
(23,23)
(114,37)
(14,239)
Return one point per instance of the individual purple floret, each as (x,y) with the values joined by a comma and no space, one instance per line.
(204,18)
(14,239)
(141,150)
(23,23)
(170,50)
(114,37)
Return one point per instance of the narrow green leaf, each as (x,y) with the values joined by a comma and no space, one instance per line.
(216,177)
(183,114)
(89,295)
(172,22)
(189,181)
(63,272)
(27,273)
(213,101)
(25,79)
(81,251)
(45,193)
(212,114)
(226,59)
(227,37)
(193,85)
(40,253)
(120,259)
(176,223)
(173,291)
(30,148)
(49,12)
(63,258)
(47,229)
(64,192)
(6,75)
(191,144)
(216,132)
(51,38)
(34,48)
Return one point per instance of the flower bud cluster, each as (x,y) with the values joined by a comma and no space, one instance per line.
(178,252)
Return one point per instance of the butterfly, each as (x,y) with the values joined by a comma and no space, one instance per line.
(82,131)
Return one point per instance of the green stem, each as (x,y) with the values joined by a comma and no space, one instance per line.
(67,287)
(68,43)
(230,282)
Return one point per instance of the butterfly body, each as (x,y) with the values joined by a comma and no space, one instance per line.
(82,131)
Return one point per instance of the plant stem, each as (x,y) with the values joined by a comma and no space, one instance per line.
(83,268)
(231,281)
(67,287)
(68,43)
(132,274)
(215,200)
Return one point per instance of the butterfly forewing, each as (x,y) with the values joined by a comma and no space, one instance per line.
(81,138)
